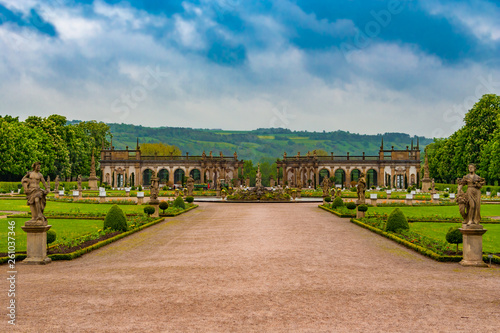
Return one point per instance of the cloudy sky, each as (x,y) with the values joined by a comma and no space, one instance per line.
(360,66)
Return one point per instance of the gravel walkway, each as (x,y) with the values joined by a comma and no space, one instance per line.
(255,268)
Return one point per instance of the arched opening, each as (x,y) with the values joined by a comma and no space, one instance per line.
(388,180)
(322,174)
(178,176)
(340,177)
(355,176)
(371,178)
(119,180)
(146,177)
(163,175)
(400,181)
(196,174)
(132,179)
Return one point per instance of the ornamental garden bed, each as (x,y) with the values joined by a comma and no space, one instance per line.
(78,236)
(423,244)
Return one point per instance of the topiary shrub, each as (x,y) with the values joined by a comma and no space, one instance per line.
(179,202)
(396,221)
(163,206)
(454,236)
(116,219)
(337,202)
(350,205)
(149,210)
(51,236)
(362,208)
(328,199)
(189,199)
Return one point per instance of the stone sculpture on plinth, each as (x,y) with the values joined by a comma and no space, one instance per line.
(470,208)
(154,191)
(36,228)
(361,188)
(190,185)
(426,181)
(258,177)
(92,178)
(56,184)
(325,185)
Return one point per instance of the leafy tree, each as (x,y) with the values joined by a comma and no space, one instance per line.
(454,236)
(149,149)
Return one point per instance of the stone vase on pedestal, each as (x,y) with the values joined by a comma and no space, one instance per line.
(36,244)
(473,245)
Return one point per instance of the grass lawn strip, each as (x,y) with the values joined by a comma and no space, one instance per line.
(78,253)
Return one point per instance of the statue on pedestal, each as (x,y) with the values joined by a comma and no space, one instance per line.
(48,183)
(35,195)
(470,201)
(154,189)
(56,185)
(326,186)
(361,187)
(258,177)
(190,185)
(79,180)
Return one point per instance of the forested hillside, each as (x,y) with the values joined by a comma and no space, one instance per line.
(261,143)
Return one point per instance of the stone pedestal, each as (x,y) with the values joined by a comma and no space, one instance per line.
(360,215)
(373,202)
(217,193)
(36,244)
(140,200)
(93,183)
(409,202)
(426,184)
(102,199)
(157,210)
(56,195)
(473,245)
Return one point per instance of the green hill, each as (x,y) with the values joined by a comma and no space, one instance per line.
(268,143)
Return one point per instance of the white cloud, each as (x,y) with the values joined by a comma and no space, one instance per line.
(481,18)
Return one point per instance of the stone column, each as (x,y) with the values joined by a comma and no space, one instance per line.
(473,245)
(36,244)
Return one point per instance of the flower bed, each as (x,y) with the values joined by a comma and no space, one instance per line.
(437,250)
(67,249)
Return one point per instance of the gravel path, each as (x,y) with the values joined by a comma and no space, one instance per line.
(255,268)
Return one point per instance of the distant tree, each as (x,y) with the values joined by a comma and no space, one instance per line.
(149,149)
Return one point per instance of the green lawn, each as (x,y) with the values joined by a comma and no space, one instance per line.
(445,211)
(491,239)
(68,207)
(70,228)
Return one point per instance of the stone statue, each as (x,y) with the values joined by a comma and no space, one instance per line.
(79,180)
(339,193)
(190,185)
(211,154)
(433,185)
(361,187)
(235,156)
(326,186)
(284,155)
(258,177)
(56,185)
(218,185)
(154,189)
(299,183)
(470,201)
(35,195)
(48,183)
(203,155)
(221,155)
